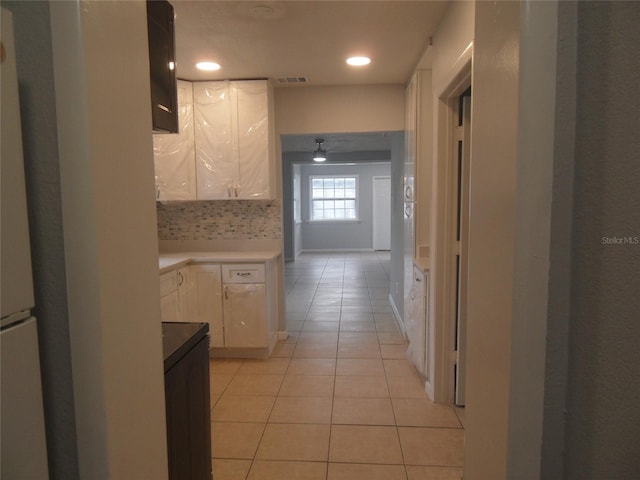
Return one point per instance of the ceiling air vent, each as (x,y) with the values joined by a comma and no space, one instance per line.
(292,79)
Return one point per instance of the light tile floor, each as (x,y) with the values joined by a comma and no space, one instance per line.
(337,400)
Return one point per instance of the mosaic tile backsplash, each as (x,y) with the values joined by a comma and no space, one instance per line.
(220,220)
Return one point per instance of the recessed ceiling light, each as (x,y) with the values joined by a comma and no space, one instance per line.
(208,66)
(358,61)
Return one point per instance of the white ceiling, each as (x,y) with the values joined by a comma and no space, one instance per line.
(269,39)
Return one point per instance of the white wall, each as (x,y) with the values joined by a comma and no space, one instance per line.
(559,298)
(453,37)
(339,109)
(336,235)
(603,424)
(109,221)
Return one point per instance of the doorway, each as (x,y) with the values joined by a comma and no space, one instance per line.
(461,193)
(381,213)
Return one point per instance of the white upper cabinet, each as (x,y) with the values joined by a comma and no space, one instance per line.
(174,153)
(213,125)
(233,132)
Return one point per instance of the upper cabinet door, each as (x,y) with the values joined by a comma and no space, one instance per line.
(174,154)
(216,161)
(164,101)
(254,124)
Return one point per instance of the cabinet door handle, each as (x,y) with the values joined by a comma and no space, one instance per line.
(236,189)
(407,210)
(226,293)
(180,279)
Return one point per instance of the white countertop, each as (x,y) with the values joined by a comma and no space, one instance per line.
(171,261)
(423,263)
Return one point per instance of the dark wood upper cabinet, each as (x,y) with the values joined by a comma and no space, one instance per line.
(164,96)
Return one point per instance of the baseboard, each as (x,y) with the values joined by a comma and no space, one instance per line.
(397,316)
(283,335)
(428,388)
(337,250)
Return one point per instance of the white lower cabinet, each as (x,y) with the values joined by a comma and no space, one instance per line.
(237,301)
(169,307)
(174,295)
(245,316)
(184,275)
(245,306)
(206,300)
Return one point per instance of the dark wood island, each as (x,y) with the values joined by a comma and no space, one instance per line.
(186,377)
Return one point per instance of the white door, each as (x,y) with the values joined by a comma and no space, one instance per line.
(382,213)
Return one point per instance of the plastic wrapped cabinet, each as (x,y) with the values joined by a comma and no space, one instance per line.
(233,147)
(245,315)
(174,153)
(205,300)
(174,295)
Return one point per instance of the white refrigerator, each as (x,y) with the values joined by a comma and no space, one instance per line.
(22,430)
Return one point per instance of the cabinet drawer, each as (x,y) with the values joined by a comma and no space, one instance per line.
(168,282)
(247,273)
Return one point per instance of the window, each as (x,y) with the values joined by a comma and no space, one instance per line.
(334,198)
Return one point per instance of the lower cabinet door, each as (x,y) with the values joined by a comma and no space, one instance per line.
(184,282)
(169,309)
(205,299)
(245,323)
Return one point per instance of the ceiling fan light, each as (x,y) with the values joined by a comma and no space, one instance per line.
(319,154)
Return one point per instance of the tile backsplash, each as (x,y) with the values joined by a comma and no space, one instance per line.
(220,220)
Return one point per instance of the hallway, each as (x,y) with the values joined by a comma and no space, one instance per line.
(337,400)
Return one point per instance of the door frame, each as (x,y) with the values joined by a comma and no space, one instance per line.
(462,266)
(443,237)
